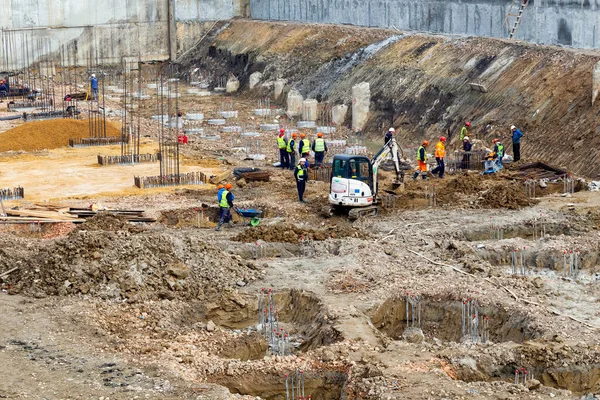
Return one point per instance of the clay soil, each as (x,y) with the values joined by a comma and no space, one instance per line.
(170,310)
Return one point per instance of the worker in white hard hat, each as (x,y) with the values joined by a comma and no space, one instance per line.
(301,176)
(388,135)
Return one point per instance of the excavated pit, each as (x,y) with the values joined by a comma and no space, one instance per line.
(443,320)
(326,385)
(524,230)
(301,314)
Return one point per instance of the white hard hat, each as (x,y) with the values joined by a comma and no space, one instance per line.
(392,130)
(512,127)
(93,75)
(303,160)
(466,138)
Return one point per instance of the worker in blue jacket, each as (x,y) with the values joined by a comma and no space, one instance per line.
(516,141)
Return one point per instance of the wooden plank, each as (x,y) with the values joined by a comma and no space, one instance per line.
(39,214)
(42,220)
(220,178)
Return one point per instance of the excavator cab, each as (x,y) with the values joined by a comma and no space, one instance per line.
(351,181)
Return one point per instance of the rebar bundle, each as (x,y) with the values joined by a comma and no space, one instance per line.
(294,386)
(474,329)
(188,178)
(12,194)
(519,262)
(571,269)
(431,196)
(413,311)
(268,324)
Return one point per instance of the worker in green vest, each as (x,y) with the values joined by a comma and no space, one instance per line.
(283,154)
(498,152)
(464,131)
(422,160)
(301,176)
(291,151)
(320,148)
(304,148)
(225,205)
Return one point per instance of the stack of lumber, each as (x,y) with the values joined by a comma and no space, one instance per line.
(55,214)
(129,215)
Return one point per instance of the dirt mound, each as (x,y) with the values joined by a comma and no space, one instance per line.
(287,233)
(465,184)
(108,222)
(51,134)
(146,265)
(511,196)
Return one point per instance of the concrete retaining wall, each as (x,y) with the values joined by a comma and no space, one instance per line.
(108,29)
(567,22)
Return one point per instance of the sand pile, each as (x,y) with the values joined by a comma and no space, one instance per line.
(50,134)
(114,265)
(287,233)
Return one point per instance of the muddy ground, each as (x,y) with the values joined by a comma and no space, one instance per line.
(424,301)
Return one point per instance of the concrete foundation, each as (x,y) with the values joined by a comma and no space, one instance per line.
(338,113)
(310,110)
(294,103)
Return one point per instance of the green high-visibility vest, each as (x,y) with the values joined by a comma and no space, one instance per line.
(300,171)
(305,146)
(281,142)
(463,132)
(319,145)
(419,154)
(223,203)
(500,150)
(290,146)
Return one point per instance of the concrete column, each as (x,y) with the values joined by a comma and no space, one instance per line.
(255,79)
(172,36)
(294,103)
(310,110)
(361,101)
(278,88)
(595,82)
(338,113)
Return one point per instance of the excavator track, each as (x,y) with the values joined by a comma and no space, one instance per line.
(356,213)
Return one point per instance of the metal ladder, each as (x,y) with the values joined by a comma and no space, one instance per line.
(518,16)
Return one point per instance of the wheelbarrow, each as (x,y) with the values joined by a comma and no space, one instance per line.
(249,215)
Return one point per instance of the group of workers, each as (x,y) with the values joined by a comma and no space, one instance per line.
(287,149)
(493,162)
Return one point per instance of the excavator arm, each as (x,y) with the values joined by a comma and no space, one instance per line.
(388,152)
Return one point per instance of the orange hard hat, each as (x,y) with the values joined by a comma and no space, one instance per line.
(319,134)
(467,123)
(442,138)
(220,186)
(302,135)
(496,140)
(294,135)
(425,142)
(228,186)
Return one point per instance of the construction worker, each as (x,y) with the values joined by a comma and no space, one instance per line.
(94,86)
(516,141)
(301,175)
(284,160)
(464,131)
(422,160)
(304,146)
(220,190)
(225,204)
(440,153)
(320,148)
(290,150)
(467,146)
(498,152)
(388,135)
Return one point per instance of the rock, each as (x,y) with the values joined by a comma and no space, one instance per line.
(538,282)
(96,255)
(361,102)
(178,270)
(278,88)
(210,326)
(533,384)
(241,283)
(328,356)
(413,335)
(232,85)
(595,82)
(543,184)
(294,103)
(255,79)
(310,110)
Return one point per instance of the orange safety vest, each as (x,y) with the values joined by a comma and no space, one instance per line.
(440,150)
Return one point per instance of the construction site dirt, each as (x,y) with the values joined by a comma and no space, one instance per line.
(474,286)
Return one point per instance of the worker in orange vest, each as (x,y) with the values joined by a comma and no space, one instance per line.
(440,153)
